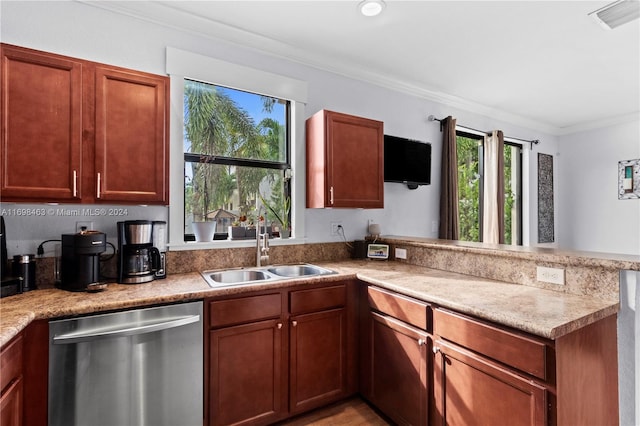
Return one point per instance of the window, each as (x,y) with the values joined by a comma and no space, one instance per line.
(512,193)
(470,183)
(235,150)
(287,97)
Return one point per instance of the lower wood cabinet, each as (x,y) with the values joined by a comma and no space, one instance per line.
(277,354)
(11,399)
(471,390)
(318,359)
(400,379)
(246,373)
(395,353)
(24,371)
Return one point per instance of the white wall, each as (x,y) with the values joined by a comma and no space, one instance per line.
(84,31)
(592,218)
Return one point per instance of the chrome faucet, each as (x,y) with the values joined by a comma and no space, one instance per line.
(262,243)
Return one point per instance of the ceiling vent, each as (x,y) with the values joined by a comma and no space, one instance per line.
(617,13)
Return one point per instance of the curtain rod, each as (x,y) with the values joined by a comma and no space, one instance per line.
(532,142)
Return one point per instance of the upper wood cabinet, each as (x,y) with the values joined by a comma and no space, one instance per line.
(41,112)
(77,131)
(131,160)
(345,161)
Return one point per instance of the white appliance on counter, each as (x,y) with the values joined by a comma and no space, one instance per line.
(137,367)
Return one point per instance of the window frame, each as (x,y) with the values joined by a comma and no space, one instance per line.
(520,200)
(183,65)
(479,136)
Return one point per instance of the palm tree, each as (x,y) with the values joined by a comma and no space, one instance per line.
(216,126)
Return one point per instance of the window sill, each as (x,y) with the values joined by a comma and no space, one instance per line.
(220,244)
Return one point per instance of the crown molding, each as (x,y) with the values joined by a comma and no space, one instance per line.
(162,13)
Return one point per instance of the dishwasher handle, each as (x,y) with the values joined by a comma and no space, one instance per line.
(124,330)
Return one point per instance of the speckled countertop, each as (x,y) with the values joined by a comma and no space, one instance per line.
(542,312)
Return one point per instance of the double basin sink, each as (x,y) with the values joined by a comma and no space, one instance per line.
(237,277)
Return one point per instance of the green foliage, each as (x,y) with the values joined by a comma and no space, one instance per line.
(468,189)
(215,126)
(280,211)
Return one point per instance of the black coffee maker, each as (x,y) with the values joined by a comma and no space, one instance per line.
(80,263)
(138,259)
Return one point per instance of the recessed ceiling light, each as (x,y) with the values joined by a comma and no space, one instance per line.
(617,13)
(371,7)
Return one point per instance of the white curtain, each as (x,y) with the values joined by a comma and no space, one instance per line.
(493,194)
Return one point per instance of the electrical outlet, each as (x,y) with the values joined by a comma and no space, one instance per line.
(550,275)
(84,226)
(401,253)
(334,228)
(434,226)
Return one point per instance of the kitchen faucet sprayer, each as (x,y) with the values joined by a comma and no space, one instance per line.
(262,241)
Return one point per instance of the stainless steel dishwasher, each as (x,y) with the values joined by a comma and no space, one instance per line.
(137,367)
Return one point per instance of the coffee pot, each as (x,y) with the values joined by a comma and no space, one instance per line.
(138,258)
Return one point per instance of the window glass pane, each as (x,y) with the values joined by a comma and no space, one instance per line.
(232,123)
(227,194)
(469,184)
(512,195)
(240,144)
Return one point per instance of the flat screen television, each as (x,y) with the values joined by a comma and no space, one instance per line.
(407,161)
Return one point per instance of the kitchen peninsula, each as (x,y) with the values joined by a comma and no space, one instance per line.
(506,306)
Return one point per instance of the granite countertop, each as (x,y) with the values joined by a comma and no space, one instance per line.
(541,312)
(567,257)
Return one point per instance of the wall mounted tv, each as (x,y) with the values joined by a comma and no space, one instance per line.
(407,161)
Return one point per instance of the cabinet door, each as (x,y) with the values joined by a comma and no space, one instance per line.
(355,154)
(131,151)
(398,370)
(345,161)
(471,390)
(318,359)
(36,376)
(246,374)
(11,404)
(41,113)
(12,382)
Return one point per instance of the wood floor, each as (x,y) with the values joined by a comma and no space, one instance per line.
(351,412)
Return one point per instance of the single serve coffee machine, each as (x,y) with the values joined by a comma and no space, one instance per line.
(80,263)
(138,259)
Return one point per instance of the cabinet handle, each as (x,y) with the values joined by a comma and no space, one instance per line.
(294,323)
(421,342)
(75,184)
(331,195)
(279,325)
(436,349)
(98,187)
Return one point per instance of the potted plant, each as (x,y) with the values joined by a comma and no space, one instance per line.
(236,231)
(204,231)
(280,214)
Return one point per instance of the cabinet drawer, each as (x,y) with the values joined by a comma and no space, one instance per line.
(317,299)
(245,309)
(11,362)
(409,310)
(522,352)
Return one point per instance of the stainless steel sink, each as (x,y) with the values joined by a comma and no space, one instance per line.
(296,271)
(237,277)
(233,277)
